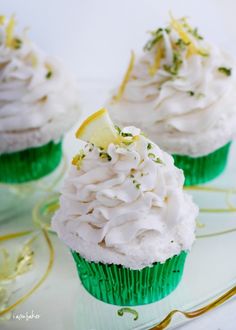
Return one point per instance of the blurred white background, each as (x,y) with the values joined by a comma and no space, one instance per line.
(94,37)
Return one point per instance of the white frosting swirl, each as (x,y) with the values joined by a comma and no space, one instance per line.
(192,112)
(127,209)
(38,97)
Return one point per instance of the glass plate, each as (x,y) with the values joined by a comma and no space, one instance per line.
(63,303)
(19,199)
(35,249)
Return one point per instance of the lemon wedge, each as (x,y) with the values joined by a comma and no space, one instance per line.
(99,130)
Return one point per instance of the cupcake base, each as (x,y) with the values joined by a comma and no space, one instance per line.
(118,285)
(30,164)
(203,169)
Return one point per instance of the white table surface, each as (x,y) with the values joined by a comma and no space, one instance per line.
(94,38)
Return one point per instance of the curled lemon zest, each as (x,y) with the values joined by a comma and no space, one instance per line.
(9,31)
(34,60)
(77,159)
(192,49)
(126,78)
(2,19)
(48,67)
(157,62)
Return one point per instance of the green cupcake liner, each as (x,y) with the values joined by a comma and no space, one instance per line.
(118,285)
(30,164)
(203,169)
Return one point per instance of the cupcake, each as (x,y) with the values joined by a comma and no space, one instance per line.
(38,104)
(124,215)
(182,92)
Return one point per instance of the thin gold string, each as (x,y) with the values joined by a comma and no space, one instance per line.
(123,310)
(58,177)
(44,276)
(215,303)
(230,207)
(228,200)
(209,210)
(219,233)
(50,207)
(15,235)
(228,193)
(211,189)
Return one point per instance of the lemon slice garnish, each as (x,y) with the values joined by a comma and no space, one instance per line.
(99,130)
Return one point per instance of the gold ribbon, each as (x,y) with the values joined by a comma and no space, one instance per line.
(57,178)
(44,210)
(15,235)
(228,193)
(190,315)
(229,209)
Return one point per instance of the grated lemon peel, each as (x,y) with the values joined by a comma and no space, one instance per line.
(129,70)
(157,61)
(9,31)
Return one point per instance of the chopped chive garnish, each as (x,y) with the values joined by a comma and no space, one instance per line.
(49,75)
(118,129)
(126,134)
(177,62)
(77,159)
(149,146)
(226,71)
(156,36)
(17,43)
(191,93)
(105,155)
(158,160)
(151,155)
(196,34)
